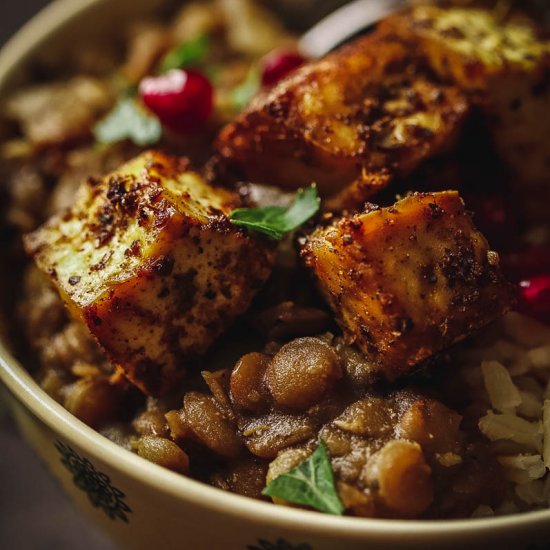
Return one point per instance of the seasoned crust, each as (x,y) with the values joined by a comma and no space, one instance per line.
(147,258)
(471,46)
(349,122)
(408,281)
(504,66)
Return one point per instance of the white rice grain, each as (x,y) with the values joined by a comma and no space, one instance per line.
(517,477)
(512,356)
(521,366)
(531,464)
(529,384)
(512,427)
(512,373)
(540,357)
(532,493)
(530,406)
(503,393)
(505,351)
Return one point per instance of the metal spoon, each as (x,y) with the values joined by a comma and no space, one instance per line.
(344,23)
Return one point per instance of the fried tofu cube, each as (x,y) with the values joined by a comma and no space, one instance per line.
(407,281)
(473,47)
(349,122)
(504,65)
(148,259)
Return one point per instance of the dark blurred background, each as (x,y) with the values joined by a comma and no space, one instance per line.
(34,513)
(13,13)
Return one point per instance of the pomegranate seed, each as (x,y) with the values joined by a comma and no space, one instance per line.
(181,99)
(522,264)
(278,64)
(535,297)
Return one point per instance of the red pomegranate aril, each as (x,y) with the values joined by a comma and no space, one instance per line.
(278,64)
(525,263)
(182,99)
(535,297)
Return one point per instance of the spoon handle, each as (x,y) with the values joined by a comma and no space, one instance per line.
(344,23)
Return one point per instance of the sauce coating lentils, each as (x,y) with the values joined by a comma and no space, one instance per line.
(210,426)
(302,372)
(163,452)
(247,380)
(95,401)
(402,476)
(394,454)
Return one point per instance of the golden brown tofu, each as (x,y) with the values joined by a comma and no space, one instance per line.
(407,281)
(471,46)
(147,258)
(505,67)
(349,122)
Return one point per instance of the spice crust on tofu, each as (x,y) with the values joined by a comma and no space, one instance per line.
(407,281)
(350,122)
(148,259)
(503,64)
(472,46)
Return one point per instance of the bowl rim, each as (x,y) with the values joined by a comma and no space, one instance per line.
(54,19)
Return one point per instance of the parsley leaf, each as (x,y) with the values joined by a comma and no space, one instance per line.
(311,483)
(185,54)
(128,120)
(275,221)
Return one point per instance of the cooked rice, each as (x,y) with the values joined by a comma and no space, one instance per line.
(514,372)
(503,393)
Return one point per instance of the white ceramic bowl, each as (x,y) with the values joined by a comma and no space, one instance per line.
(143,506)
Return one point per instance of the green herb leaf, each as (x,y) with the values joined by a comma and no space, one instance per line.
(244,92)
(185,54)
(275,221)
(311,483)
(128,120)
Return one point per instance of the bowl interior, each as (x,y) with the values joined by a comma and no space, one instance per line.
(72,22)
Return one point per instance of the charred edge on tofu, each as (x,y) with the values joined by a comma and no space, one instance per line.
(352,122)
(148,258)
(441,285)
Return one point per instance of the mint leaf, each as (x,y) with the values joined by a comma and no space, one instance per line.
(185,54)
(262,220)
(244,92)
(128,120)
(275,221)
(311,483)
